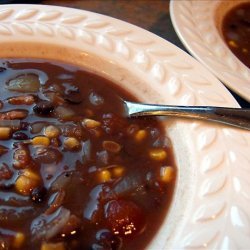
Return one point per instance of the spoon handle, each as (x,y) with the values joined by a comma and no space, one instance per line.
(236,117)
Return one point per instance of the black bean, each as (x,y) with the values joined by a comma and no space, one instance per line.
(108,240)
(43,108)
(2,69)
(19,136)
(38,194)
(74,97)
(233,26)
(24,125)
(5,172)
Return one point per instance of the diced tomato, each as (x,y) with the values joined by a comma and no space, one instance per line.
(124,217)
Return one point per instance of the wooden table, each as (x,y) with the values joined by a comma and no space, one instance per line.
(152,15)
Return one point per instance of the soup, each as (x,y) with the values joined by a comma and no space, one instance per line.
(236,32)
(75,173)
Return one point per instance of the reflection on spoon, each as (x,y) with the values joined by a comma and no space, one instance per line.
(236,117)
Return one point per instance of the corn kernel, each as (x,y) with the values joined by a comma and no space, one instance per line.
(233,44)
(27,181)
(51,131)
(104,176)
(71,143)
(140,135)
(5,133)
(90,123)
(18,240)
(166,174)
(158,154)
(245,51)
(41,140)
(118,171)
(53,246)
(24,185)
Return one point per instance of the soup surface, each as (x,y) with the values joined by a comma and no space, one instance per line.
(236,32)
(75,173)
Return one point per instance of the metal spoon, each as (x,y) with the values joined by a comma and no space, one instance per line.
(236,117)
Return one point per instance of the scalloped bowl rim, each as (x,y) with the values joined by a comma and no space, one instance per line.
(140,62)
(212,51)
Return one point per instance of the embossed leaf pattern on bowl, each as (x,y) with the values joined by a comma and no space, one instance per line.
(125,42)
(220,216)
(217,214)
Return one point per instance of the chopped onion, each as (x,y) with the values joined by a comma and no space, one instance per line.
(48,226)
(15,124)
(68,179)
(72,225)
(37,127)
(55,98)
(129,183)
(61,181)
(55,202)
(102,157)
(96,99)
(24,83)
(165,141)
(63,112)
(92,207)
(86,151)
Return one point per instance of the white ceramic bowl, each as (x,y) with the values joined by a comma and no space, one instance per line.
(211,200)
(198,24)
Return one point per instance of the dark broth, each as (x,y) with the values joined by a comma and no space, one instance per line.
(75,173)
(236,32)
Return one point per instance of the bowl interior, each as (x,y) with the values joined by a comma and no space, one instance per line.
(144,92)
(222,9)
